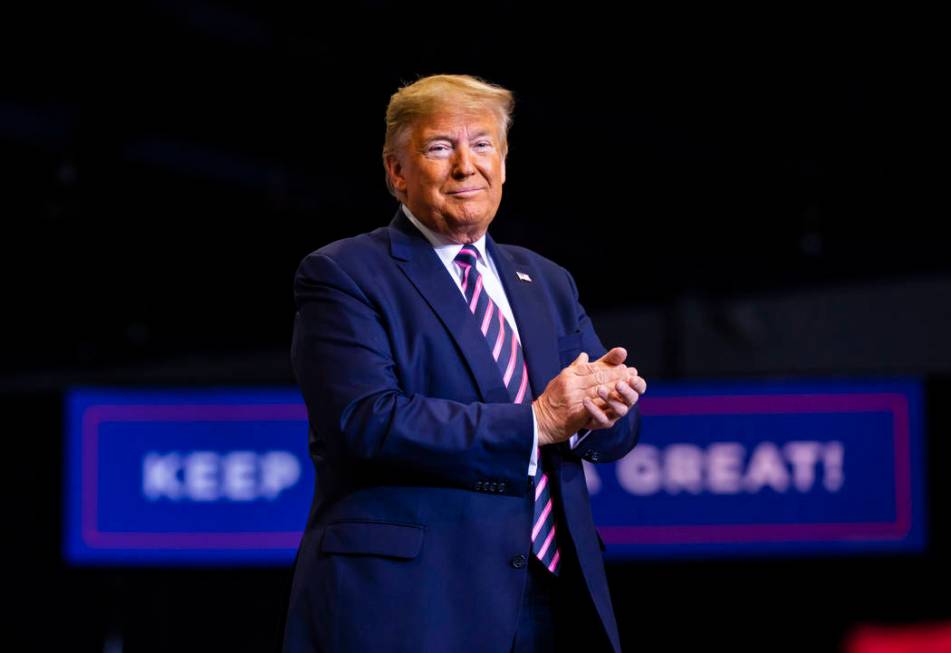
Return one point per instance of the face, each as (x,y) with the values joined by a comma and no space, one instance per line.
(450,173)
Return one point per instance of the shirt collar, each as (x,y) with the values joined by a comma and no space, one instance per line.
(445,248)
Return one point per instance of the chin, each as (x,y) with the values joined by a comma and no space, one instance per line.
(473,215)
(471,223)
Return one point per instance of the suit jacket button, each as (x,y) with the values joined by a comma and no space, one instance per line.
(519,561)
(592,455)
(492,486)
(501,487)
(478,486)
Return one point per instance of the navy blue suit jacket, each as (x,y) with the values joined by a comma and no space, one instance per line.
(420,525)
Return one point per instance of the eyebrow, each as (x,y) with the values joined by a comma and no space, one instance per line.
(446,137)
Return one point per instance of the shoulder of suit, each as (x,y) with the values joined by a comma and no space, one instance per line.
(359,249)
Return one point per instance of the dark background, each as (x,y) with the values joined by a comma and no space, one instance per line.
(747,197)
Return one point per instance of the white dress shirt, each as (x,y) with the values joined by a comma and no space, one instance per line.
(491,284)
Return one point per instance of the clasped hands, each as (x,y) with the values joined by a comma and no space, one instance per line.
(587,395)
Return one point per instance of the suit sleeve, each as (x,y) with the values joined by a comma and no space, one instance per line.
(343,362)
(602,445)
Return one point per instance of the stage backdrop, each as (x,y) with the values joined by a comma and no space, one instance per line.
(221,475)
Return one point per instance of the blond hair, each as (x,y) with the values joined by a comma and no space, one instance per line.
(430,95)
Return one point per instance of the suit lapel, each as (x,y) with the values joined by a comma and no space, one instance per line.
(415,256)
(532,315)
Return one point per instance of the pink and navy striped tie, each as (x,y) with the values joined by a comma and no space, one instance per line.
(507,352)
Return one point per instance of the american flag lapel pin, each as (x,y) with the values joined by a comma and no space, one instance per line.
(523,276)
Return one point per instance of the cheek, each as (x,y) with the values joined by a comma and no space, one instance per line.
(432,181)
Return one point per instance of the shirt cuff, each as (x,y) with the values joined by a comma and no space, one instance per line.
(576,439)
(533,461)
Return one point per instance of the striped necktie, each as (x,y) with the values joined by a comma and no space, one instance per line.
(507,352)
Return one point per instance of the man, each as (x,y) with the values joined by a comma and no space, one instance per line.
(451,400)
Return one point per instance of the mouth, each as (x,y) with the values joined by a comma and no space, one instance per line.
(465,192)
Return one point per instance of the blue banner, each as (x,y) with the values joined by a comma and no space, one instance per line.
(222,476)
(210,477)
(767,468)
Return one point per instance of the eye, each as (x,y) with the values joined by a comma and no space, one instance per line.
(483,145)
(438,149)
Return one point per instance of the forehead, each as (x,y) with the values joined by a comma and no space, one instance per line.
(454,123)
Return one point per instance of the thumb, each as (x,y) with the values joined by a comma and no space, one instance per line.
(615,357)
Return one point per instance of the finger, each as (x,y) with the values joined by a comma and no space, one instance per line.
(582,359)
(616,404)
(638,383)
(596,400)
(598,416)
(601,394)
(618,409)
(627,393)
(614,357)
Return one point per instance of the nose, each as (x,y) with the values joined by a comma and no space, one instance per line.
(462,165)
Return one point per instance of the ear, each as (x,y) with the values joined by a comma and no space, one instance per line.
(395,171)
(503,168)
